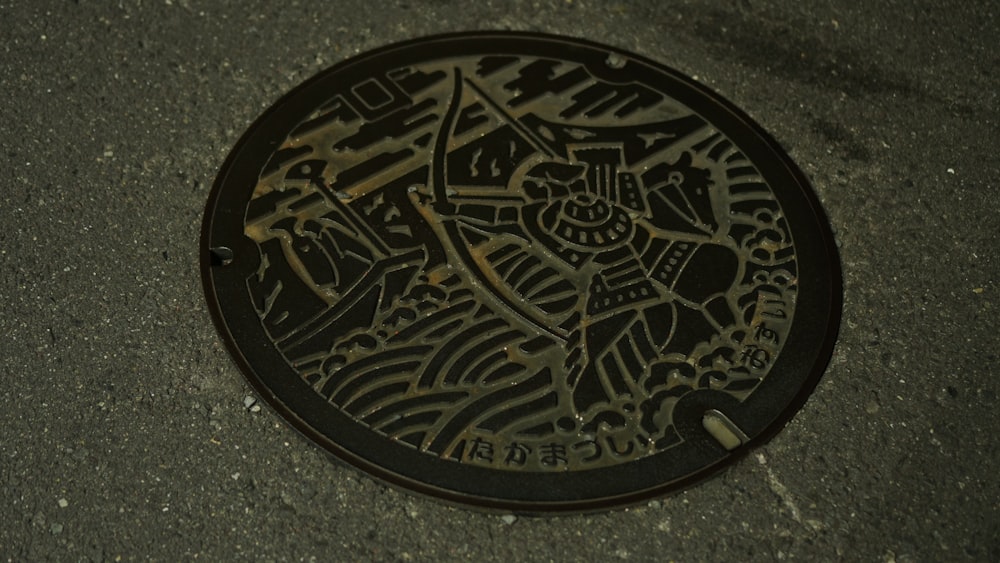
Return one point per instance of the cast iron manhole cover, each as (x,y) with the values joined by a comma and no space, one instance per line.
(520,272)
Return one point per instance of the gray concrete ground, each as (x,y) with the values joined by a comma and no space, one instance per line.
(124,432)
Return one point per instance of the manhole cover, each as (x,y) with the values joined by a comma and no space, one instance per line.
(521,272)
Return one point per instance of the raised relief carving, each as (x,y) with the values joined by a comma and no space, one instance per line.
(513,262)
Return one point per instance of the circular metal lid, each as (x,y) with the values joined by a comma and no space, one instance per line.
(520,272)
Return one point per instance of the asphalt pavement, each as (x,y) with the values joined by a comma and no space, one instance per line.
(126,430)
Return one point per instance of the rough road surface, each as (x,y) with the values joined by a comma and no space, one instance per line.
(127,432)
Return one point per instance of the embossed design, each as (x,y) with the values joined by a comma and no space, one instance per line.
(518,262)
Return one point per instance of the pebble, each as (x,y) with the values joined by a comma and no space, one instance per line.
(63,503)
(56,528)
(508,519)
(251,404)
(615,60)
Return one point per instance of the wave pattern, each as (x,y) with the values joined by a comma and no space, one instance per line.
(416,386)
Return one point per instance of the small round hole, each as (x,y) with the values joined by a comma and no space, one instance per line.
(221,255)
